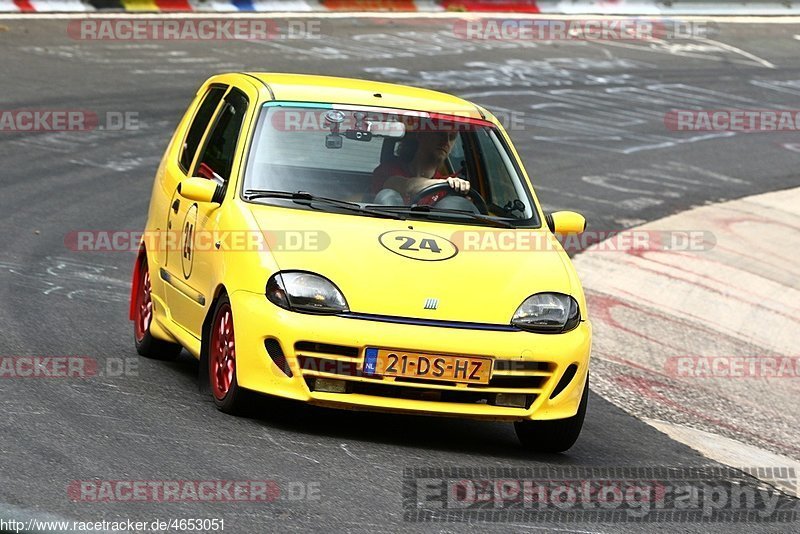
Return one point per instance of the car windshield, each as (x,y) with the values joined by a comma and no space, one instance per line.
(413,164)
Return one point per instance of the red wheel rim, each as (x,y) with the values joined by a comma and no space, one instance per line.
(144,304)
(222,356)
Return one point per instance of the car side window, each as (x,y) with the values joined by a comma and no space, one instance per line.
(501,185)
(457,156)
(199,124)
(216,160)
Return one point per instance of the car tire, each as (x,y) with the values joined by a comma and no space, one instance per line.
(556,435)
(220,356)
(146,344)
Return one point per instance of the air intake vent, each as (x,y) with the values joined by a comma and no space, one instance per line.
(566,378)
(276,353)
(520,365)
(325,348)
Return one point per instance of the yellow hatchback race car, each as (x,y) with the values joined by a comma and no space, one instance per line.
(362,245)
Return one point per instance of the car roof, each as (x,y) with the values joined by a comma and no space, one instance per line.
(330,89)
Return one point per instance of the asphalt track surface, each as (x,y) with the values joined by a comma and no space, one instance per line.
(592,136)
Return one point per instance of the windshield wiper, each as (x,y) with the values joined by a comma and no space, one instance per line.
(306,199)
(431,210)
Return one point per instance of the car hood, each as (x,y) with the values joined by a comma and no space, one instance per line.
(392,267)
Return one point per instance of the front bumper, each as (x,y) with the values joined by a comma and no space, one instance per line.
(333,347)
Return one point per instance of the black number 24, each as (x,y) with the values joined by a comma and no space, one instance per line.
(424,244)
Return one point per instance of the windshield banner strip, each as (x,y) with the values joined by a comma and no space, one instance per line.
(378,109)
(461,118)
(465,116)
(313,105)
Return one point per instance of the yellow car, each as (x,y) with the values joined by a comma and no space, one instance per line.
(362,245)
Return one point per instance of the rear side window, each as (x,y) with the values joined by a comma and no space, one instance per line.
(216,160)
(199,125)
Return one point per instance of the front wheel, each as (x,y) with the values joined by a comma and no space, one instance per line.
(146,344)
(557,435)
(221,357)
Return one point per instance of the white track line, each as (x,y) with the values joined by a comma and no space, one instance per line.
(734,453)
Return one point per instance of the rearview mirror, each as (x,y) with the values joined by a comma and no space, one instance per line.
(392,129)
(200,190)
(566,222)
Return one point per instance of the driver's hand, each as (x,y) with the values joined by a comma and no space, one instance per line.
(458,184)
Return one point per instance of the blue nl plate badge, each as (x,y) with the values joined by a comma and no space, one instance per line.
(370,361)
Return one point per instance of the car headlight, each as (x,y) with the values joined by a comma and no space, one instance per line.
(305,292)
(547,313)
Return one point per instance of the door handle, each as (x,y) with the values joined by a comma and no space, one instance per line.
(176,205)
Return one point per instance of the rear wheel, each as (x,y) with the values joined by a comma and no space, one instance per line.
(221,357)
(553,436)
(146,344)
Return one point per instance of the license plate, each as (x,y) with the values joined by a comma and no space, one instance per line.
(388,362)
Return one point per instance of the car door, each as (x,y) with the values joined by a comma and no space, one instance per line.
(177,169)
(190,264)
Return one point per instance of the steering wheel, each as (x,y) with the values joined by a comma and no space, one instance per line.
(473,195)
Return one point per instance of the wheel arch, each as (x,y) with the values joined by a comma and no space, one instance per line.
(137,268)
(219,291)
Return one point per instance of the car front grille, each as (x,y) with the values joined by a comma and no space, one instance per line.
(320,360)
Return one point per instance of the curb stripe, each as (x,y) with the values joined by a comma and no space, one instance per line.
(139,5)
(7,6)
(605,8)
(66,6)
(289,5)
(173,5)
(216,6)
(106,4)
(369,5)
(244,5)
(519,6)
(24,5)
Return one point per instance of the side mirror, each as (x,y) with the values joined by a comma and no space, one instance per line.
(200,190)
(566,222)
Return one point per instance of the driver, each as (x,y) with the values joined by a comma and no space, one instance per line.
(419,164)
